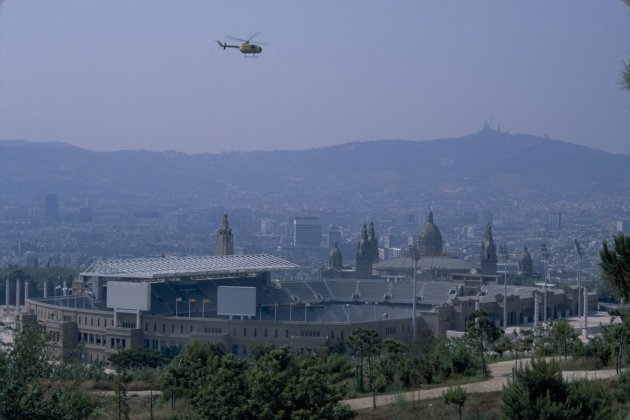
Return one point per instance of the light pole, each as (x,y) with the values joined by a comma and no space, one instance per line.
(306,305)
(203,307)
(580,253)
(545,253)
(413,253)
(57,288)
(347,311)
(504,253)
(177,300)
(190,300)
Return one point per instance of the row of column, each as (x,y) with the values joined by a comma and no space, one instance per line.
(18,292)
(7,293)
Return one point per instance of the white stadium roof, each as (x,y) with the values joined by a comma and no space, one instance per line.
(167,267)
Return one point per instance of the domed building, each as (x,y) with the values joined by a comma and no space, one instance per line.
(430,238)
(335,259)
(525,265)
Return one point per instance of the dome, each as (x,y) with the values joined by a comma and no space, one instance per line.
(335,259)
(334,253)
(525,262)
(430,238)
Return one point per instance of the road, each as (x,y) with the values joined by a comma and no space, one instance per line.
(501,372)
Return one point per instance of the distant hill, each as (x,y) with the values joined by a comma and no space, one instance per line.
(486,162)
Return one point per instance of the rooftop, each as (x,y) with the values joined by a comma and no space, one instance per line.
(168,267)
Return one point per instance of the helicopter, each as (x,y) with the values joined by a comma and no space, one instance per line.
(246,47)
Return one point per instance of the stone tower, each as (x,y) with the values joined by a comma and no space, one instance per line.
(225,240)
(335,259)
(430,238)
(488,253)
(364,256)
(525,265)
(373,241)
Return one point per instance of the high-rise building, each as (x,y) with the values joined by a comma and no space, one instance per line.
(307,232)
(623,226)
(85,214)
(555,221)
(334,236)
(52,206)
(225,240)
(267,226)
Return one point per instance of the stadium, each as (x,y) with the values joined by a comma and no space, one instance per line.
(166,302)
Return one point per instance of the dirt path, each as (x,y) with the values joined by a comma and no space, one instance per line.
(501,372)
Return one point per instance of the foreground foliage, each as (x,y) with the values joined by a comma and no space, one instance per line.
(538,391)
(34,386)
(277,384)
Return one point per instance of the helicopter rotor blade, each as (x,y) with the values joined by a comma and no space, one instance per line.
(253,35)
(233,38)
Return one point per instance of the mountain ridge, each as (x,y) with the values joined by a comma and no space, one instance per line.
(485,162)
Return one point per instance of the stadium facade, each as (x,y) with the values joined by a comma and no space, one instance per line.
(239,300)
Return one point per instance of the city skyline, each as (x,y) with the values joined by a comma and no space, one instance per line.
(119,75)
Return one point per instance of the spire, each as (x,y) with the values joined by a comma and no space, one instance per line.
(489,232)
(224,222)
(430,216)
(225,240)
(373,242)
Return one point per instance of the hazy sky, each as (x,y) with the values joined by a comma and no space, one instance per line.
(120,74)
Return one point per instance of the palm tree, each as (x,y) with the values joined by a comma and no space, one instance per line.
(615,265)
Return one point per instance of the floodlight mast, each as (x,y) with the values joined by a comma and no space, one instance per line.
(545,253)
(504,253)
(414,254)
(580,253)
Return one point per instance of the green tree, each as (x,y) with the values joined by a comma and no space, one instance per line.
(181,372)
(622,392)
(137,358)
(455,395)
(392,364)
(71,403)
(482,333)
(563,337)
(121,399)
(591,399)
(283,384)
(365,344)
(35,385)
(26,374)
(538,391)
(600,349)
(617,334)
(220,389)
(502,345)
(615,265)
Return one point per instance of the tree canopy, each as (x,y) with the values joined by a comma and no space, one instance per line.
(538,391)
(615,265)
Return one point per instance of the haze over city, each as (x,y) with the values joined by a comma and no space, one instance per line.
(149,74)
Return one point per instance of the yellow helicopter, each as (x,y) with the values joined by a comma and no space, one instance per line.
(246,46)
